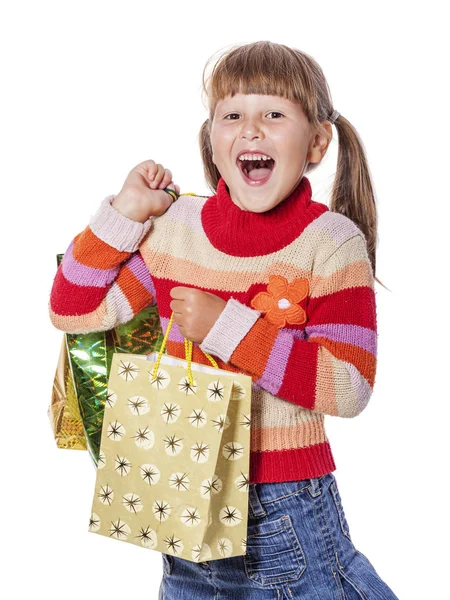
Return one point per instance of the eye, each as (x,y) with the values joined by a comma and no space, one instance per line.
(272,112)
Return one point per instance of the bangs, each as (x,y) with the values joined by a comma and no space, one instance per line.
(261,68)
(227,84)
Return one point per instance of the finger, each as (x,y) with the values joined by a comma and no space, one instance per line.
(178,292)
(177,306)
(152,172)
(176,318)
(165,181)
(158,176)
(167,178)
(179,320)
(151,169)
(146,165)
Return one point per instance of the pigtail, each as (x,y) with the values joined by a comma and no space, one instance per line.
(352,193)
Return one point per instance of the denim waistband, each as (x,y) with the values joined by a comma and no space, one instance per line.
(260,494)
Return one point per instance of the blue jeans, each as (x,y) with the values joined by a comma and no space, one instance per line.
(298,547)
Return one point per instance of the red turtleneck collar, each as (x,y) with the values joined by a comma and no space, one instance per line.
(243,233)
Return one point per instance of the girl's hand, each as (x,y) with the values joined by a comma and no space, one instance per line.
(142,194)
(195,311)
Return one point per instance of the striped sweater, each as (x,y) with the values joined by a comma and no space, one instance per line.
(300,314)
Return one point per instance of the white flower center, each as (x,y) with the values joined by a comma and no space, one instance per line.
(283,303)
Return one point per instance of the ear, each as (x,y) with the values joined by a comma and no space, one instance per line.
(319,143)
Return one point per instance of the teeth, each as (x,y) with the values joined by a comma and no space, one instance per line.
(254,157)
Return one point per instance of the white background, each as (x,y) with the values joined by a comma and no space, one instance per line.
(90,89)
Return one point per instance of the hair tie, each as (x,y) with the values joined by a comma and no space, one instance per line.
(334,115)
(172,192)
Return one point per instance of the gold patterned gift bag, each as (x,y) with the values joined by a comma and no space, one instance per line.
(63,411)
(173,469)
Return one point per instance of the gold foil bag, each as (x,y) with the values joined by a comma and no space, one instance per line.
(173,469)
(63,411)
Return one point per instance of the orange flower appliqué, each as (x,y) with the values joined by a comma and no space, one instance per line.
(280,302)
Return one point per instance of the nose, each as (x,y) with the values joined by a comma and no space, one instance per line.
(251,129)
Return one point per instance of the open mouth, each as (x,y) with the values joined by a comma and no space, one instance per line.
(256,172)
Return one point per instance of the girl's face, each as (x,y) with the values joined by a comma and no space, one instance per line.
(269,125)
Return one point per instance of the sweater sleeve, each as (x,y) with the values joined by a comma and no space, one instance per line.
(331,369)
(102,279)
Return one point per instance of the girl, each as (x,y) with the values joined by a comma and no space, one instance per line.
(271,283)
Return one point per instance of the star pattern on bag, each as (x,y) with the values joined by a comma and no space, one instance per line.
(246,422)
(242,482)
(160,380)
(101,461)
(132,503)
(173,444)
(161,510)
(187,387)
(179,481)
(215,391)
(111,398)
(230,515)
(200,451)
(174,545)
(143,436)
(119,529)
(225,547)
(197,417)
(190,516)
(170,412)
(222,422)
(233,450)
(94,522)
(149,474)
(123,465)
(237,391)
(213,485)
(147,536)
(201,552)
(115,430)
(138,405)
(128,370)
(106,495)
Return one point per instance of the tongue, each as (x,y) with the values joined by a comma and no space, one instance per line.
(257,174)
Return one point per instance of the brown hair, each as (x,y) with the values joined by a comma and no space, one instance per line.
(265,67)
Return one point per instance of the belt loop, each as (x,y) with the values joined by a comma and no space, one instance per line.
(255,506)
(314,488)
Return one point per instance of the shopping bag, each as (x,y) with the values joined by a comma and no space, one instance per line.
(63,411)
(87,367)
(173,469)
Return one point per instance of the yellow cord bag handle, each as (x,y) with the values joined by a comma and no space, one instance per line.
(188,345)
